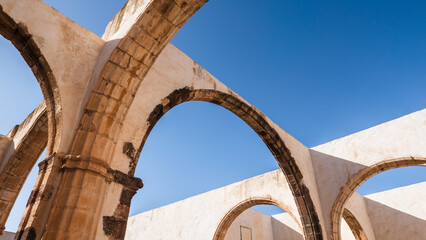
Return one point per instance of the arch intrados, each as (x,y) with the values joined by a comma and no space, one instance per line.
(20,163)
(232,214)
(354,225)
(359,179)
(23,41)
(266,132)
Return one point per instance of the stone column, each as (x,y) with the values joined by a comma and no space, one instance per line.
(77,205)
(40,202)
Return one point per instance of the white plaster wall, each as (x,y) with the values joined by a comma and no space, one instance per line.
(198,217)
(401,137)
(265,227)
(284,227)
(337,162)
(399,213)
(70,50)
(356,205)
(259,223)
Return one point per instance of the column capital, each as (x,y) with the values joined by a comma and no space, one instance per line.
(101,168)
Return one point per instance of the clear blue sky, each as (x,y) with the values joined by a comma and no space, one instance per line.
(319,69)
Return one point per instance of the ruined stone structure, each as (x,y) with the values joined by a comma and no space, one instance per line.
(391,215)
(103,96)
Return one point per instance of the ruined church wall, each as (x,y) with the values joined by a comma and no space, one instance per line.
(198,217)
(338,162)
(398,213)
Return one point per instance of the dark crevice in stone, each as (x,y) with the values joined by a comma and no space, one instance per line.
(114,227)
(130,151)
(126,197)
(126,180)
(27,234)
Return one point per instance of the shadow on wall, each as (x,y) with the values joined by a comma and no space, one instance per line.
(251,225)
(329,172)
(391,224)
(282,231)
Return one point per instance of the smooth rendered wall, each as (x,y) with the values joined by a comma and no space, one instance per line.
(399,213)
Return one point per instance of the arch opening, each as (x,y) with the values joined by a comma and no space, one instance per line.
(23,198)
(27,142)
(264,130)
(201,141)
(369,173)
(210,146)
(245,222)
(19,93)
(268,134)
(21,38)
(36,131)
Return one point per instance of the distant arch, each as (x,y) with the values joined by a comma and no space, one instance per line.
(232,214)
(257,121)
(362,176)
(21,38)
(32,140)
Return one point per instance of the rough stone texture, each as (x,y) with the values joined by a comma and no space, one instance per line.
(104,95)
(27,142)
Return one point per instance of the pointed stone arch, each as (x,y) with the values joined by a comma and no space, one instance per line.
(19,35)
(257,121)
(28,141)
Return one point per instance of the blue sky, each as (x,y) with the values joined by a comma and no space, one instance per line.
(319,69)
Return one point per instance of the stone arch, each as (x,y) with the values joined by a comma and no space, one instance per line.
(354,225)
(31,138)
(131,52)
(18,34)
(257,121)
(233,213)
(359,179)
